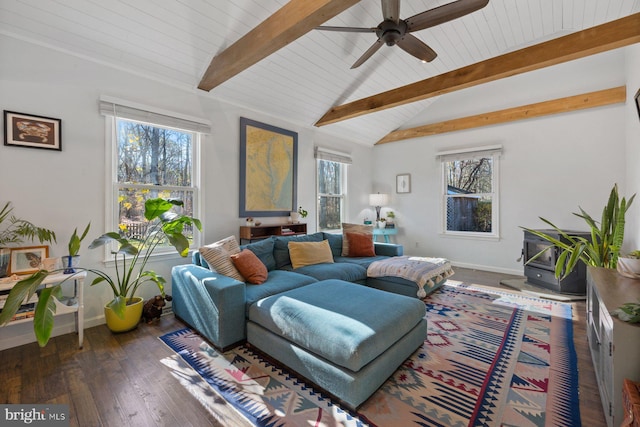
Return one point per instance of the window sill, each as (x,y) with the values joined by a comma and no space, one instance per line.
(471,236)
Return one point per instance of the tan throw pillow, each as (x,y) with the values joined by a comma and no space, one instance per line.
(218,256)
(360,245)
(250,266)
(366,230)
(309,253)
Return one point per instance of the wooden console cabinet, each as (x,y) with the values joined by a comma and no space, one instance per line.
(614,344)
(258,232)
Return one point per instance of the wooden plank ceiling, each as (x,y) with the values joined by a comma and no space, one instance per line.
(174,41)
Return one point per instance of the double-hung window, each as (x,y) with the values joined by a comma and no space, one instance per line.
(331,188)
(470,192)
(150,155)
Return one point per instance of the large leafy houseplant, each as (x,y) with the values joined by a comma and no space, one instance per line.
(601,249)
(14,230)
(131,257)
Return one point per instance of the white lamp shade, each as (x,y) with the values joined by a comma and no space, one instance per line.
(378,199)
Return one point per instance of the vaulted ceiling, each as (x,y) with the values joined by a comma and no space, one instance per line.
(173,41)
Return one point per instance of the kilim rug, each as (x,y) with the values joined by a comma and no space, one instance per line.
(489,359)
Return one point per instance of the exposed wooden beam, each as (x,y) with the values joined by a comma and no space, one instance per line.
(292,21)
(614,95)
(612,35)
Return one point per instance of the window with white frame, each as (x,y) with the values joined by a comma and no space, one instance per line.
(150,155)
(470,192)
(331,188)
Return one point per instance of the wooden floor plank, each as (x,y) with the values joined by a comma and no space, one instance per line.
(119,379)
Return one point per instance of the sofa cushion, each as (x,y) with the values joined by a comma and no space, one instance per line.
(349,272)
(263,250)
(218,257)
(360,245)
(277,282)
(334,319)
(250,267)
(348,229)
(361,261)
(335,242)
(281,246)
(309,253)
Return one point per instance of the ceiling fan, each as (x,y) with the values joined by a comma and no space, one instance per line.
(396,31)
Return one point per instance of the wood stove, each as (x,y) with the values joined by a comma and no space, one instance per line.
(541,271)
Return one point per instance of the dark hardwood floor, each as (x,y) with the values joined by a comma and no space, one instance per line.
(119,380)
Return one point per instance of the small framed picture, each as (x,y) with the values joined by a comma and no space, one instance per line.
(403,183)
(27,130)
(28,259)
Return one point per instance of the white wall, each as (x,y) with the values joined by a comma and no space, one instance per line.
(64,190)
(632,67)
(549,167)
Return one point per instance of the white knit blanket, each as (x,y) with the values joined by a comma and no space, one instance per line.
(423,271)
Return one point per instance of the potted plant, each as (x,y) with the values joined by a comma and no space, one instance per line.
(130,259)
(602,249)
(382,223)
(391,219)
(14,231)
(628,312)
(303,213)
(71,261)
(629,265)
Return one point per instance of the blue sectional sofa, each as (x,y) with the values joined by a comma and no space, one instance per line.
(217,306)
(325,321)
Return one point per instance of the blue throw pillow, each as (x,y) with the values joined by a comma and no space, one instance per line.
(264,251)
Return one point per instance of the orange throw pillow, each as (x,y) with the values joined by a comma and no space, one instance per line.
(360,245)
(250,266)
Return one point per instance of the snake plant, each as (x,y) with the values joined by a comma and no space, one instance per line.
(601,249)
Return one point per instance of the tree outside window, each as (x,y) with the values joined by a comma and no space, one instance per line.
(152,161)
(331,177)
(470,195)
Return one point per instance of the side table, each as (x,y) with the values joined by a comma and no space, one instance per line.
(386,232)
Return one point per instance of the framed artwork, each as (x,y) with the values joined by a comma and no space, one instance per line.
(27,130)
(637,98)
(403,183)
(268,169)
(27,260)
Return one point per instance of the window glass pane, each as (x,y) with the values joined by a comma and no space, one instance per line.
(469,176)
(153,155)
(329,177)
(330,213)
(132,223)
(469,213)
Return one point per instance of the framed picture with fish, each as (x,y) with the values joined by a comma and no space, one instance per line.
(27,259)
(27,130)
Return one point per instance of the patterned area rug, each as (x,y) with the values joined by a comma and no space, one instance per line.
(489,359)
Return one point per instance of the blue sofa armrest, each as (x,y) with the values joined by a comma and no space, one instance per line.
(211,303)
(388,249)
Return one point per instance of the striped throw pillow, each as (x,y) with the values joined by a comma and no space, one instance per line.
(218,256)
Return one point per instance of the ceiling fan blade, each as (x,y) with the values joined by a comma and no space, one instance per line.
(346,29)
(444,13)
(417,48)
(373,49)
(391,10)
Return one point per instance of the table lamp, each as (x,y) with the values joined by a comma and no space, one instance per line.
(378,200)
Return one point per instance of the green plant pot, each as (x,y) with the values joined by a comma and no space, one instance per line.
(132,316)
